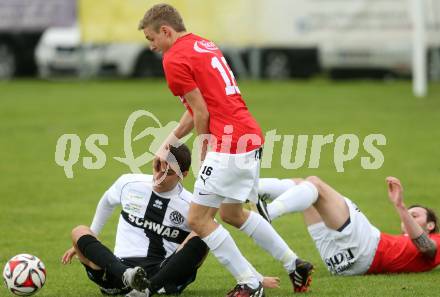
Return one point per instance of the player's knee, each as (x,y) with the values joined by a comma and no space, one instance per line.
(228,219)
(79,231)
(316,181)
(201,219)
(195,222)
(224,216)
(235,219)
(297,180)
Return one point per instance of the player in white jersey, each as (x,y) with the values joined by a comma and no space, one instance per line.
(152,233)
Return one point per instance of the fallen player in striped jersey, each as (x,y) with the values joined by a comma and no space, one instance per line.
(155,251)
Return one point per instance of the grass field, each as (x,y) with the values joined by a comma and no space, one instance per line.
(40,205)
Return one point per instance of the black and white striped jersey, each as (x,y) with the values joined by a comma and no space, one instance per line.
(151,224)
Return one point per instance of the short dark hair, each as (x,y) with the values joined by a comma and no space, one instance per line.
(182,154)
(431,216)
(160,15)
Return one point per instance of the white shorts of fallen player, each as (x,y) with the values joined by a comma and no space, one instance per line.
(228,178)
(351,251)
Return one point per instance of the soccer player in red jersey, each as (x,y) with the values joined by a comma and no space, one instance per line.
(347,242)
(199,75)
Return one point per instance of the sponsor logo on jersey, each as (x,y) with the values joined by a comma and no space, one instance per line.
(136,195)
(153,226)
(133,208)
(169,233)
(158,204)
(176,218)
(203,46)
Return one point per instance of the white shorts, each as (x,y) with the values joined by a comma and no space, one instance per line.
(351,251)
(228,178)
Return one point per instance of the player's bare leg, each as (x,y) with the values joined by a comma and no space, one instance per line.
(299,196)
(330,204)
(201,219)
(311,216)
(233,214)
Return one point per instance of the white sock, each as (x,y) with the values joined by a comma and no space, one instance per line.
(274,187)
(266,237)
(227,253)
(295,199)
(259,276)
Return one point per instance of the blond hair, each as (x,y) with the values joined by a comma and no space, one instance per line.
(160,15)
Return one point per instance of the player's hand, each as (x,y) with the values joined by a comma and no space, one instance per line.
(160,160)
(159,164)
(395,191)
(271,282)
(68,255)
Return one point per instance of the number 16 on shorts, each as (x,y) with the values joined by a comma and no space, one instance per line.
(206,173)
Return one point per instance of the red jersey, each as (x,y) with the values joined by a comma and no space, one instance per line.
(193,62)
(397,253)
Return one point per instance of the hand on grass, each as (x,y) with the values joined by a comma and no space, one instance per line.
(271,282)
(68,255)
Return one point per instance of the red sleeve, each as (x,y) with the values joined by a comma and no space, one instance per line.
(179,76)
(436,238)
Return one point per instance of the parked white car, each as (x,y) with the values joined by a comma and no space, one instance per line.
(392,59)
(61,52)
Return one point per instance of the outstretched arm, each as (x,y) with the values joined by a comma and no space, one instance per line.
(419,237)
(103,211)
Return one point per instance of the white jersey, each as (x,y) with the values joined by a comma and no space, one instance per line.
(150,224)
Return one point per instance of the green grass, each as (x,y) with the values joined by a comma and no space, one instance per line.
(40,205)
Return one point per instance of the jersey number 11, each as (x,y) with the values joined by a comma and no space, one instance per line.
(231,85)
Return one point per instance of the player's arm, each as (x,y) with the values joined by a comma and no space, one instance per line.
(180,79)
(199,120)
(186,124)
(103,212)
(200,116)
(419,237)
